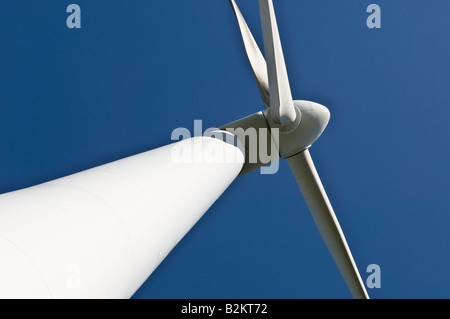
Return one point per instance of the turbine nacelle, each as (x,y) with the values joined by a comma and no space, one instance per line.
(310,122)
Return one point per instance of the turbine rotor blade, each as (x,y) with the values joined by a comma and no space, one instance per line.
(282,110)
(255,57)
(323,214)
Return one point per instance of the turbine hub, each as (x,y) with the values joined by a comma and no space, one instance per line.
(312,119)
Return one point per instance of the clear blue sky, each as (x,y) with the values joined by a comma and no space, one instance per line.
(136,70)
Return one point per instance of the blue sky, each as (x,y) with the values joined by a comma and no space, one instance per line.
(72,99)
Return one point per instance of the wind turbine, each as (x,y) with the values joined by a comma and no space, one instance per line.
(100,233)
(300,123)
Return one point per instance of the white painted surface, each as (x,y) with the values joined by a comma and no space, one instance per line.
(101,233)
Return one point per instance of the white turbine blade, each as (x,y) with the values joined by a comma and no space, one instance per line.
(254,55)
(282,109)
(322,212)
